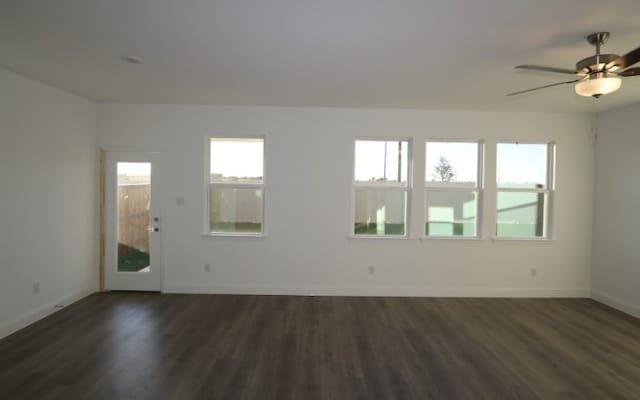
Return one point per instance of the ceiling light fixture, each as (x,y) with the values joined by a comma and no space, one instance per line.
(598,84)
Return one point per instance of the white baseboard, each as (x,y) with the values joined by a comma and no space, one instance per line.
(386,291)
(17,323)
(616,303)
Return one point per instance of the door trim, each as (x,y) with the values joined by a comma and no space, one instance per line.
(102,196)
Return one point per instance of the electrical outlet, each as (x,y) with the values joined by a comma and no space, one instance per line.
(36,288)
(207,268)
(533,272)
(371,269)
(180,201)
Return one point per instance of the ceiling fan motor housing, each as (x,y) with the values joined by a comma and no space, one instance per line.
(594,63)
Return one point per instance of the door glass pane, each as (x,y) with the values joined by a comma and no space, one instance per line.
(521,214)
(134,196)
(380,212)
(450,213)
(234,210)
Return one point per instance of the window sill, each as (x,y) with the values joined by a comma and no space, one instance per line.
(474,239)
(380,237)
(232,235)
(522,240)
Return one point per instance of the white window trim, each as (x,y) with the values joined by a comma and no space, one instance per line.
(478,189)
(548,222)
(208,184)
(386,186)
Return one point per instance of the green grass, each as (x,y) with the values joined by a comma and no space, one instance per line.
(131,260)
(372,229)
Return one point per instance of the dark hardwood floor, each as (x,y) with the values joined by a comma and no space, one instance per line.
(152,346)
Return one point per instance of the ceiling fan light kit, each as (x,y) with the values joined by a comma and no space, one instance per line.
(597,75)
(596,87)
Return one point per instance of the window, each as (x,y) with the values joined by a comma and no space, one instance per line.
(235,186)
(381,187)
(525,189)
(452,188)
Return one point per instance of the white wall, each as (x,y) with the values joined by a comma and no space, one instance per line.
(47,201)
(616,258)
(308,198)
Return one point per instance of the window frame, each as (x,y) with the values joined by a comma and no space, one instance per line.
(478,189)
(362,186)
(208,185)
(549,190)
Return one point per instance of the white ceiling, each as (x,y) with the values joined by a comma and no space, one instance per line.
(453,54)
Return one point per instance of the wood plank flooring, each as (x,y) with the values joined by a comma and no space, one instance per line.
(152,346)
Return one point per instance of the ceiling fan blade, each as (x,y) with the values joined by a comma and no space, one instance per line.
(630,72)
(625,61)
(543,87)
(546,69)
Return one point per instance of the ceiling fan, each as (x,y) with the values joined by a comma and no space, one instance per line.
(596,75)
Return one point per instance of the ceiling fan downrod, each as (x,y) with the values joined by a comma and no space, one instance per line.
(597,62)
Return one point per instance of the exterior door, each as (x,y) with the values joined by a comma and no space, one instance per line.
(133,222)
